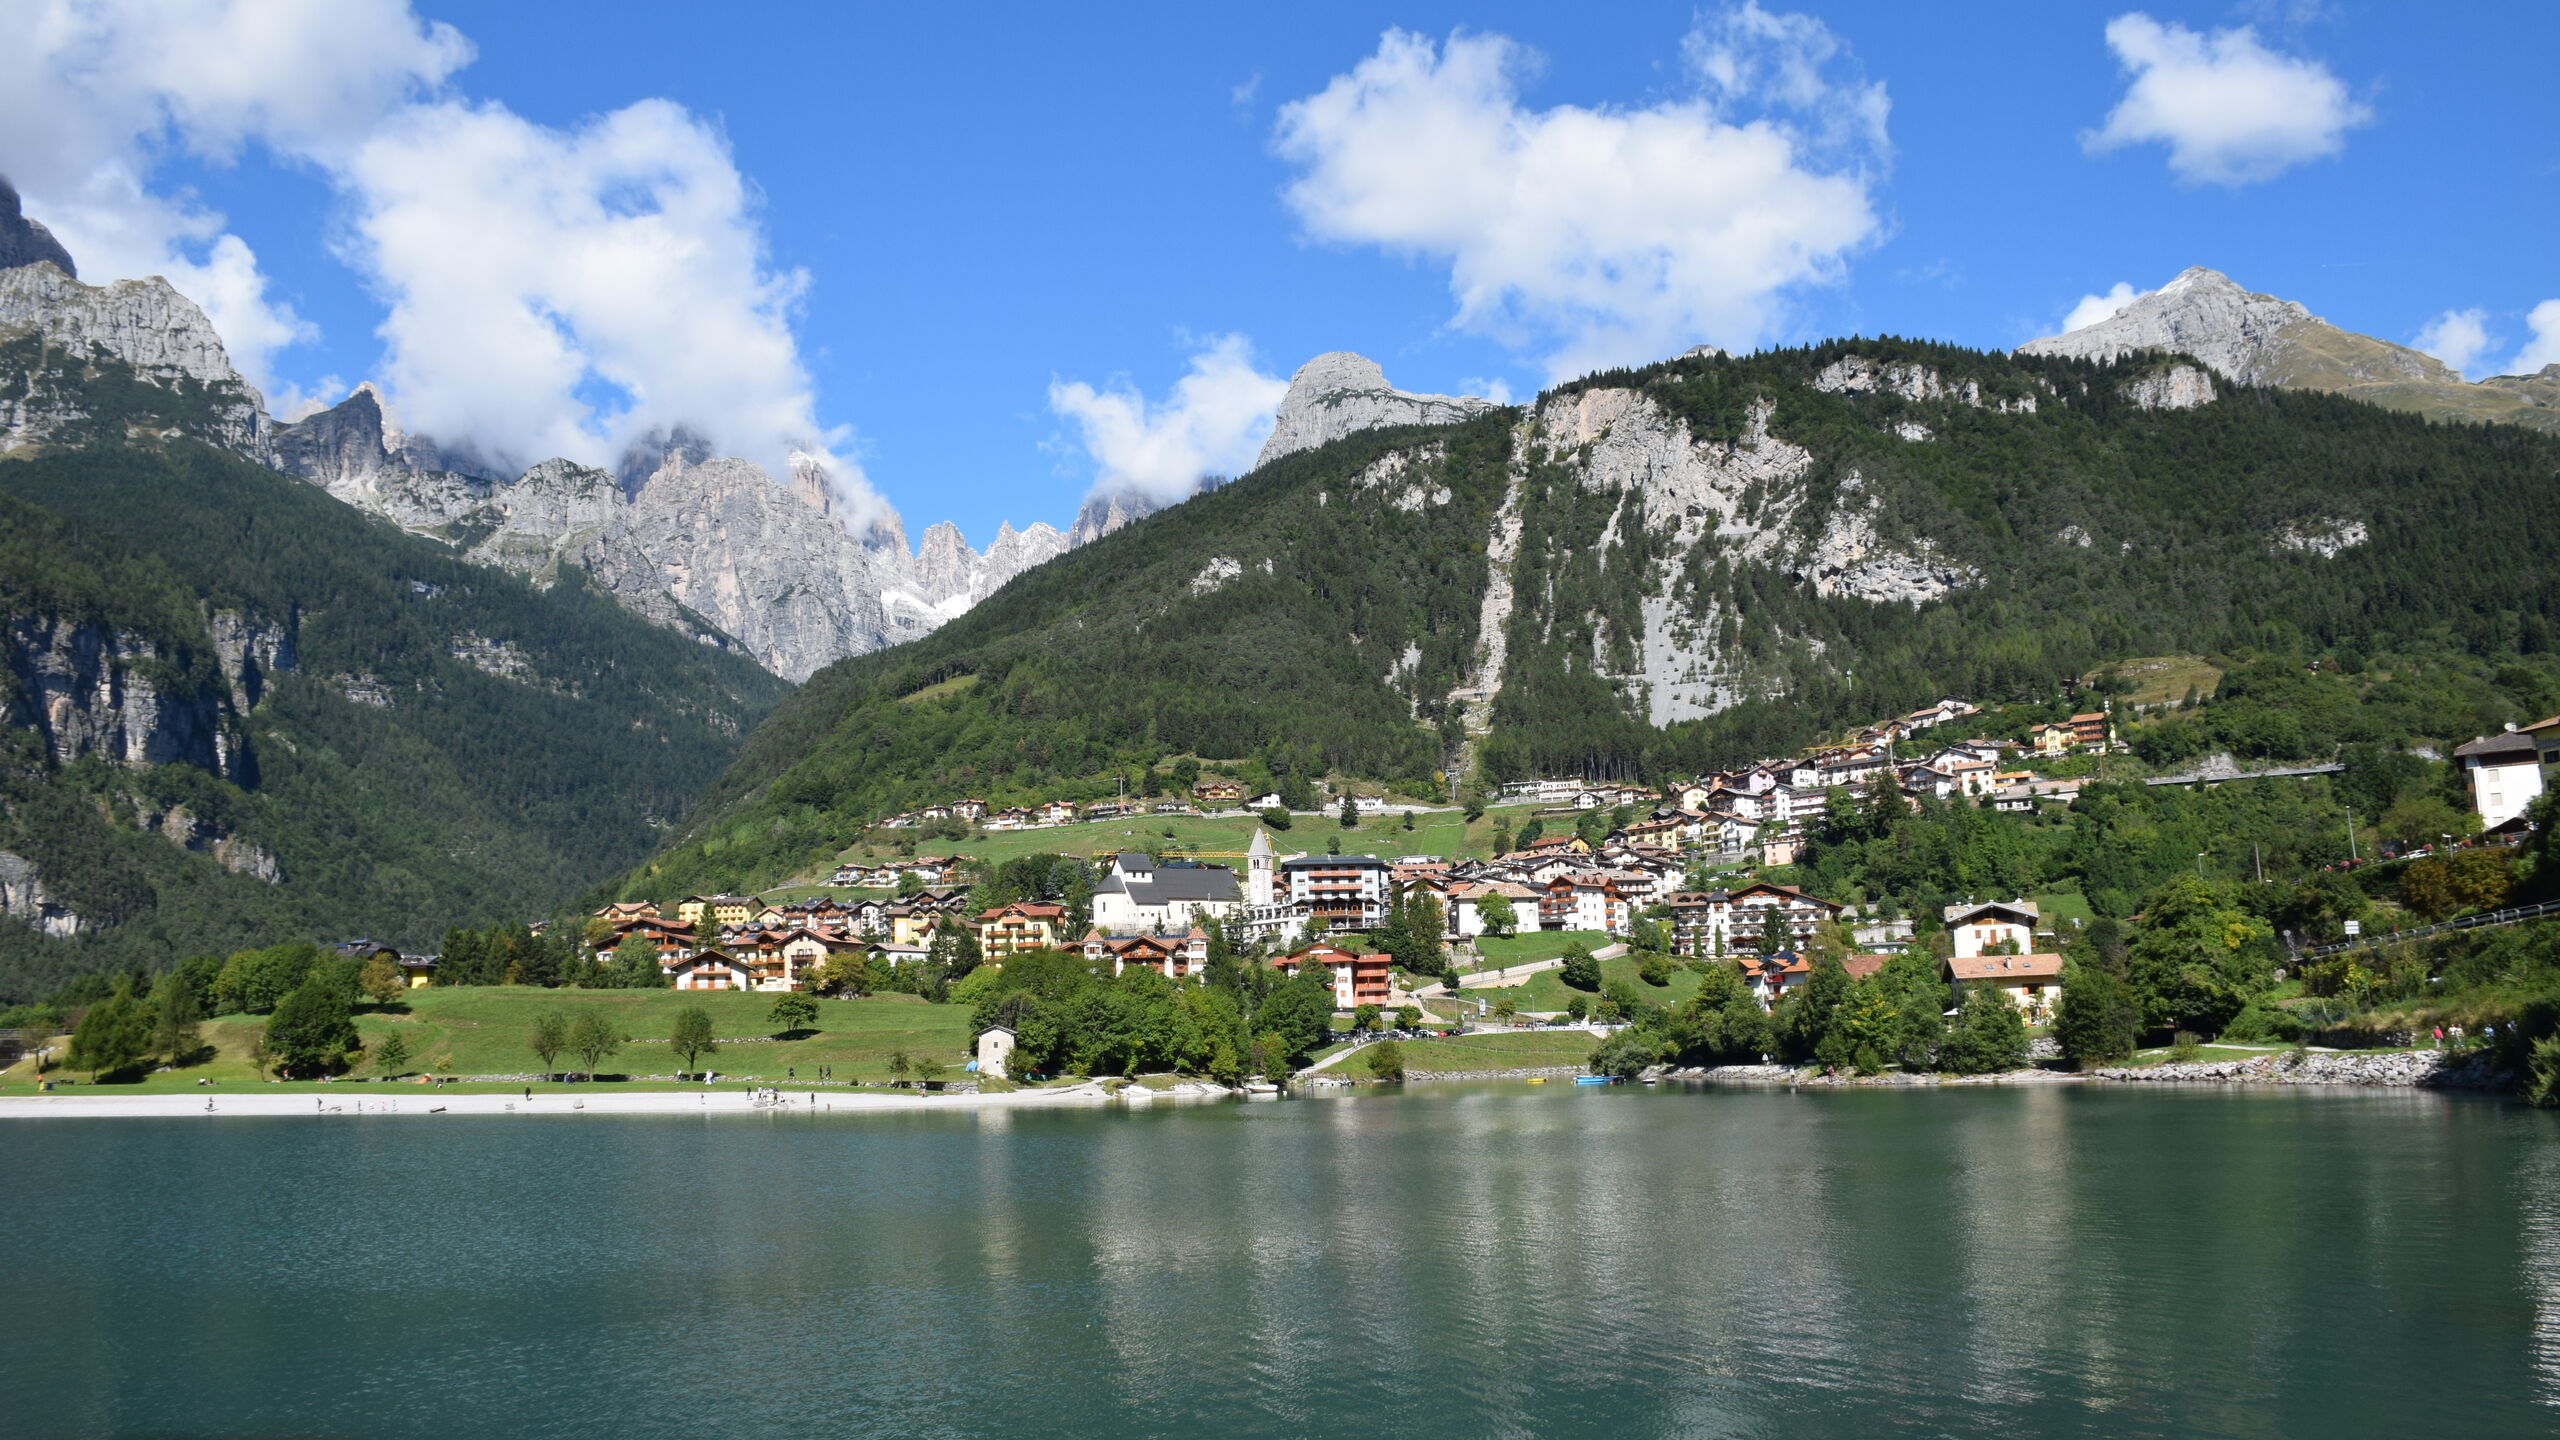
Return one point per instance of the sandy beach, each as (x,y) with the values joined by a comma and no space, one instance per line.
(602,1102)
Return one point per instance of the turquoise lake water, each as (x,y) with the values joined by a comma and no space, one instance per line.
(1446,1261)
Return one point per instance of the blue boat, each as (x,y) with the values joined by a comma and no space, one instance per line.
(1590,1079)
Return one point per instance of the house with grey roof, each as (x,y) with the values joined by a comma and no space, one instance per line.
(1143,896)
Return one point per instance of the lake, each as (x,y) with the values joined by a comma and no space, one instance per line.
(1451,1260)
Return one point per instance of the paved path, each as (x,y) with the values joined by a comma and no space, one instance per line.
(404,1100)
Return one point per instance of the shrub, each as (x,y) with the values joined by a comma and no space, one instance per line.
(2542,1073)
(1580,972)
(1386,1060)
(1623,1055)
(2185,1048)
(1655,971)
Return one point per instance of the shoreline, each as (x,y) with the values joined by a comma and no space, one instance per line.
(2390,1071)
(306,1105)
(2353,1070)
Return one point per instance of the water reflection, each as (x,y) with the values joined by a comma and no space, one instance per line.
(1444,1261)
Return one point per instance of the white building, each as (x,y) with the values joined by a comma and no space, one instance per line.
(1141,896)
(995,1051)
(2504,774)
(1983,929)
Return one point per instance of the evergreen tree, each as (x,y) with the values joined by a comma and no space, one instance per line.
(174,1022)
(115,1036)
(1806,1026)
(391,1057)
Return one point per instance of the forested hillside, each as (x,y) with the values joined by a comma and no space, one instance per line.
(239,711)
(1713,559)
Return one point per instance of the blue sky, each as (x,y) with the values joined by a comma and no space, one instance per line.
(945,227)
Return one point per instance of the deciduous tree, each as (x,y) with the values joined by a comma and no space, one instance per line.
(691,1039)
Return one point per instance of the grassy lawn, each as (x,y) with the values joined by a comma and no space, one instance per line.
(1224,840)
(1512,950)
(2158,679)
(1544,992)
(2060,908)
(1513,1050)
(470,1030)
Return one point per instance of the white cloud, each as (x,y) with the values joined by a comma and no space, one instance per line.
(2230,110)
(1213,423)
(1493,388)
(570,292)
(2459,338)
(91,94)
(1600,236)
(550,291)
(2094,308)
(2544,348)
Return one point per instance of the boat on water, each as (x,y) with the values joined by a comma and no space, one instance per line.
(1590,1079)
(1261,1090)
(1537,1079)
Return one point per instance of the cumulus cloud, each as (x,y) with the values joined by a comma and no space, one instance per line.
(93,94)
(1601,236)
(571,292)
(2094,308)
(2459,338)
(2544,348)
(550,291)
(2231,111)
(1213,423)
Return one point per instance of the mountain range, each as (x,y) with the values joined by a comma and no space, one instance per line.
(270,677)
(710,546)
(1667,570)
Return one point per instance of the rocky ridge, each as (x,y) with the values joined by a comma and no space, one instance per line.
(2249,338)
(711,546)
(1339,393)
(705,544)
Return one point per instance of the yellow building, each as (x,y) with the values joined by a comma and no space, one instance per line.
(1023,925)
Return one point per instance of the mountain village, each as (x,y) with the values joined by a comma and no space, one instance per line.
(1315,909)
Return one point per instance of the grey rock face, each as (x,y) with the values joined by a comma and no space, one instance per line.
(2174,387)
(1339,393)
(711,546)
(22,894)
(1102,514)
(143,323)
(87,690)
(24,241)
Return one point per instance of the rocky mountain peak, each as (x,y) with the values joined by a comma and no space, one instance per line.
(1339,393)
(26,242)
(1102,514)
(2246,337)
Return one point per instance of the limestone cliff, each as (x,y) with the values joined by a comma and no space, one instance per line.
(144,324)
(709,545)
(1339,393)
